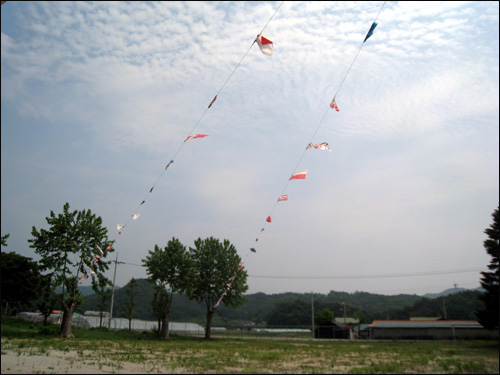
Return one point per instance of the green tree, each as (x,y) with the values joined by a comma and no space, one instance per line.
(170,269)
(293,313)
(489,316)
(47,298)
(160,305)
(4,239)
(104,293)
(324,317)
(218,273)
(69,249)
(128,306)
(20,279)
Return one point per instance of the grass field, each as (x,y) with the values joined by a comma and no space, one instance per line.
(32,348)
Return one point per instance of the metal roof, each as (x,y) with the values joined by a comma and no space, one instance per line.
(425,324)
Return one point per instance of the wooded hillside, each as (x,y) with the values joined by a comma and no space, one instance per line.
(294,309)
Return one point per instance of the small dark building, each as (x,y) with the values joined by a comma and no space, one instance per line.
(332,330)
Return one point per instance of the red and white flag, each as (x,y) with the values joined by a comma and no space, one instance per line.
(135,216)
(299,175)
(283,198)
(265,45)
(268,219)
(196,136)
(334,105)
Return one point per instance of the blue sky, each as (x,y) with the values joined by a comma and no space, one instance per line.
(98,97)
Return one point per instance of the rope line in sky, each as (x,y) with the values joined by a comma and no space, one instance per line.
(269,217)
(135,215)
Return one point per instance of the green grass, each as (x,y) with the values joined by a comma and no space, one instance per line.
(134,351)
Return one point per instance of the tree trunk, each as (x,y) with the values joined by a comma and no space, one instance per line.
(67,320)
(45,317)
(164,327)
(210,314)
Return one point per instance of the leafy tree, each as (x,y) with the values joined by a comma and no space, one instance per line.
(20,278)
(68,249)
(290,313)
(324,317)
(217,264)
(160,304)
(4,239)
(170,269)
(489,316)
(128,306)
(47,298)
(104,293)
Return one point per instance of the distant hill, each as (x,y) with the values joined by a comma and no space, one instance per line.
(460,304)
(444,293)
(85,290)
(447,292)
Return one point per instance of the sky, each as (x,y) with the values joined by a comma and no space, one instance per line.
(97,98)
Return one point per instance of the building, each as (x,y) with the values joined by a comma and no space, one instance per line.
(436,328)
(333,330)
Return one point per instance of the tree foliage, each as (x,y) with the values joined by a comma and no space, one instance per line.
(295,313)
(68,249)
(128,306)
(489,316)
(324,317)
(20,279)
(215,265)
(170,269)
(104,293)
(4,239)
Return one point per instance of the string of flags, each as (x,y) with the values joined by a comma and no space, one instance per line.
(266,47)
(86,273)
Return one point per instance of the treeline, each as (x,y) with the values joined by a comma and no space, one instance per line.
(294,309)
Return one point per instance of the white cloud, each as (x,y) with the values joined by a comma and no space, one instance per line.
(113,89)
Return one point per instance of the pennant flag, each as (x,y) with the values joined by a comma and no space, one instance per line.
(100,250)
(253,250)
(135,216)
(119,226)
(283,198)
(142,203)
(196,136)
(324,146)
(265,45)
(321,146)
(334,105)
(299,175)
(168,165)
(257,239)
(109,247)
(268,219)
(212,102)
(370,32)
(151,190)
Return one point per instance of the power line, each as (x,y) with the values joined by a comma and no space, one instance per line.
(429,273)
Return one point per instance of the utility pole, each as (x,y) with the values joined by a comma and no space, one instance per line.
(312,313)
(113,292)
